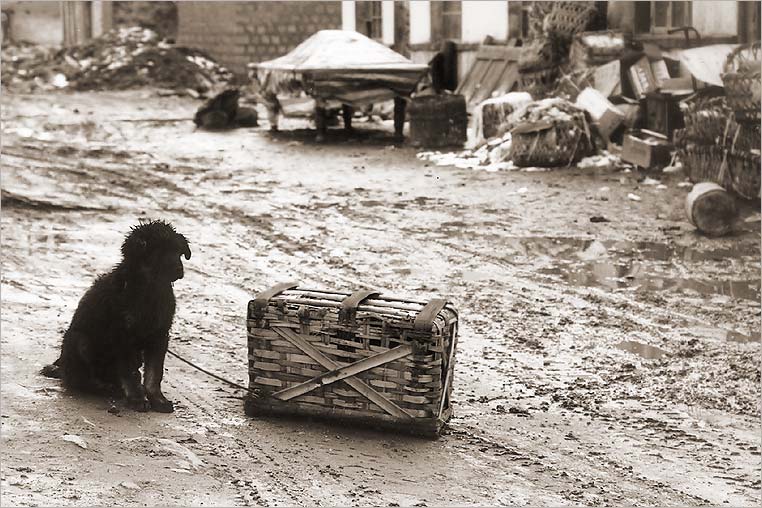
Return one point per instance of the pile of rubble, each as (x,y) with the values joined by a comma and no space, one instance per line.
(120,59)
(587,91)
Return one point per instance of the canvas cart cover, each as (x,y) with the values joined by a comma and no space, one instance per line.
(341,65)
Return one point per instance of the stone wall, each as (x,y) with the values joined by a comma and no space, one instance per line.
(236,33)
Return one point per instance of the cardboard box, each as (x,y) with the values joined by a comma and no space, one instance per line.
(607,78)
(642,78)
(646,149)
(605,115)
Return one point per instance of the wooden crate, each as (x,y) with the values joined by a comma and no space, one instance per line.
(363,357)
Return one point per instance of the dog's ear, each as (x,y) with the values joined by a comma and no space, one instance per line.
(184,247)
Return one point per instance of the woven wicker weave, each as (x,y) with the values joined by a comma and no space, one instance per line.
(708,121)
(566,19)
(377,361)
(743,82)
(744,172)
(561,144)
(739,172)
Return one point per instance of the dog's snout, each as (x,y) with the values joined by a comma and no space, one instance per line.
(179,272)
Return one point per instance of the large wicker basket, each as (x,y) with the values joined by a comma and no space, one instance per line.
(743,82)
(363,357)
(550,143)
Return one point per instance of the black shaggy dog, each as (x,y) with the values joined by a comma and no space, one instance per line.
(123,321)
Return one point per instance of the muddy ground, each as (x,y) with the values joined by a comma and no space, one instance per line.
(599,363)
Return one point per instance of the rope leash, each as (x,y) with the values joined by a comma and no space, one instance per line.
(210,373)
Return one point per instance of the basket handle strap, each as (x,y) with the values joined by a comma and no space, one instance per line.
(349,305)
(428,313)
(258,305)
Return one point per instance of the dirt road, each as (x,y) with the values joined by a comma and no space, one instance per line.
(599,363)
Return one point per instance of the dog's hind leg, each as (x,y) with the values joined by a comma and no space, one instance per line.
(154,372)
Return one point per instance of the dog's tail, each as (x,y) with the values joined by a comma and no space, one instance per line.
(53,370)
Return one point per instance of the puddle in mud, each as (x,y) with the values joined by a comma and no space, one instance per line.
(578,248)
(618,276)
(723,334)
(740,337)
(624,264)
(640,349)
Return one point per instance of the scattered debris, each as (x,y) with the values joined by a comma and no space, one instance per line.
(129,485)
(191,460)
(598,218)
(77,440)
(120,59)
(493,156)
(605,159)
(633,197)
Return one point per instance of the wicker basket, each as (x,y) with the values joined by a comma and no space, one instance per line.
(708,121)
(744,172)
(438,120)
(704,164)
(746,138)
(549,144)
(566,19)
(360,357)
(739,172)
(742,79)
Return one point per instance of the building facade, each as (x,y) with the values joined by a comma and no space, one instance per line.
(469,23)
(237,33)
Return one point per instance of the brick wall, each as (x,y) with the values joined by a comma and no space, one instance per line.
(236,33)
(160,17)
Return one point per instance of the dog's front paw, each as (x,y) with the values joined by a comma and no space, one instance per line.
(141,404)
(162,405)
